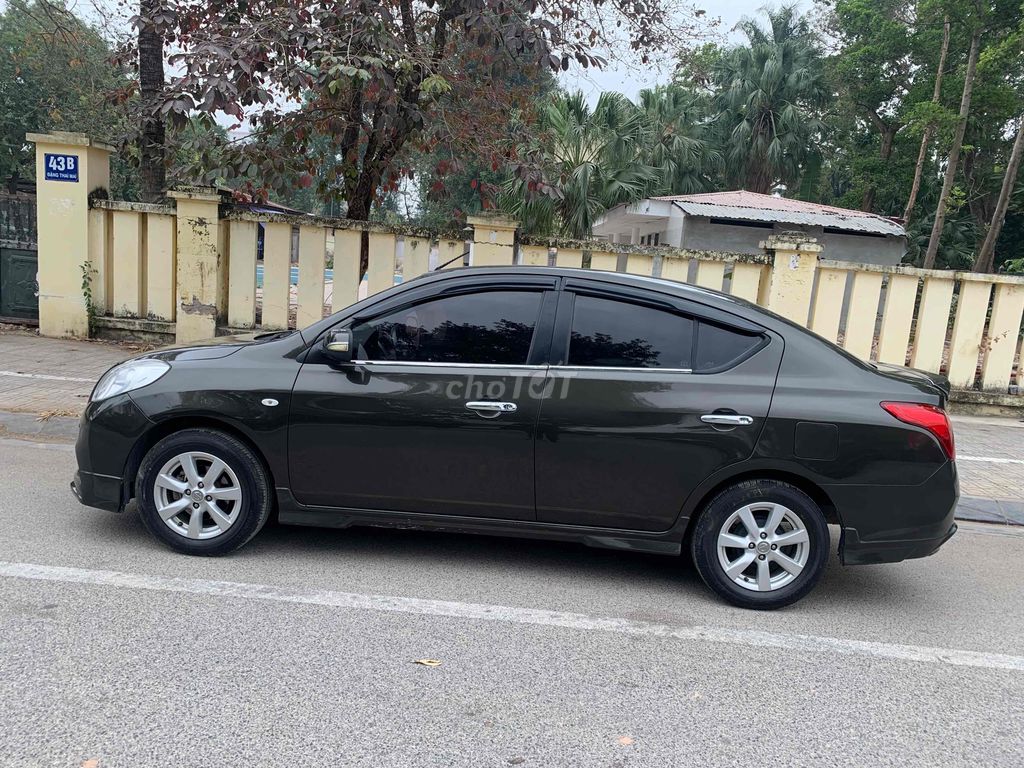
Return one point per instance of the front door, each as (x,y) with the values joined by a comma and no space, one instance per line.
(435,415)
(640,404)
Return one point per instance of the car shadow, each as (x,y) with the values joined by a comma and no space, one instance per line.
(313,549)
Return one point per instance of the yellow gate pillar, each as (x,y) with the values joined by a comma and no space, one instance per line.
(794,261)
(493,240)
(68,167)
(201,271)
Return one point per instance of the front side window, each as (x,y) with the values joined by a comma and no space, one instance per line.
(493,327)
(617,334)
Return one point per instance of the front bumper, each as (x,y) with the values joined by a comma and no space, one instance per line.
(100,491)
(887,524)
(107,434)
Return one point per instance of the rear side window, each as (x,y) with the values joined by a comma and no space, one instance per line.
(617,334)
(719,347)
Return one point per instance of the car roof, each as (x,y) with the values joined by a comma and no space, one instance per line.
(682,290)
(717,300)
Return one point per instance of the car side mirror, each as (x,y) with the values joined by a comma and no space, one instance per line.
(337,345)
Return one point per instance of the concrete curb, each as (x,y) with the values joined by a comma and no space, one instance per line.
(982,510)
(29,425)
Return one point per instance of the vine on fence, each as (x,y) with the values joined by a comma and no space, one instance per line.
(90,306)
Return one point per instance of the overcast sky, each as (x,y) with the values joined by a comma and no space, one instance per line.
(631,79)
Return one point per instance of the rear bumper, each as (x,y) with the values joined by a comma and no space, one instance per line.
(886,524)
(853,551)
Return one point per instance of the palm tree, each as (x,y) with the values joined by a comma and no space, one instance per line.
(768,95)
(588,161)
(678,141)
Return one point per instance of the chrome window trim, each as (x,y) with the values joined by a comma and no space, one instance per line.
(619,368)
(411,364)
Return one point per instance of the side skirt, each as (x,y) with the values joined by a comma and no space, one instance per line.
(661,543)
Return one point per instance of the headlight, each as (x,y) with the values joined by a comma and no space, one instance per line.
(128,376)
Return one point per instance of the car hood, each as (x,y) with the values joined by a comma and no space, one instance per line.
(213,349)
(915,376)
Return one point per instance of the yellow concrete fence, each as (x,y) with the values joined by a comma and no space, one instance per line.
(201,266)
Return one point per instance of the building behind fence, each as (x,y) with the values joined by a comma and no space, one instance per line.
(190,270)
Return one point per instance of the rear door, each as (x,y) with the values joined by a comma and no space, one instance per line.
(645,399)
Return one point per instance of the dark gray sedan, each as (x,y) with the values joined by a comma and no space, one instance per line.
(614,410)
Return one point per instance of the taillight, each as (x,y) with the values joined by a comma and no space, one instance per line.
(927,417)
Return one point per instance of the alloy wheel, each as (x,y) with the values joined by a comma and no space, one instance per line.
(763,546)
(197,495)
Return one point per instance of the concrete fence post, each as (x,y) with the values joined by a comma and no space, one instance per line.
(493,240)
(794,262)
(200,270)
(69,166)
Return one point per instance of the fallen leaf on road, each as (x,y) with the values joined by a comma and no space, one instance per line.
(428,662)
(47,415)
(625,740)
(91,764)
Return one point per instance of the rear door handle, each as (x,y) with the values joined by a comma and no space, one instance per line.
(728,419)
(490,409)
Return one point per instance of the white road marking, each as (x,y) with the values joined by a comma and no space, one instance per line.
(45,377)
(990,459)
(15,442)
(482,612)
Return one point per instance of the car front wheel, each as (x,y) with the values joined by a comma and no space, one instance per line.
(761,544)
(203,492)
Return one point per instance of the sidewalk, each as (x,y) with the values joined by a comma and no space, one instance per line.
(45,384)
(40,376)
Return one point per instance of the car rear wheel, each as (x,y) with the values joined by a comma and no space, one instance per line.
(203,492)
(761,544)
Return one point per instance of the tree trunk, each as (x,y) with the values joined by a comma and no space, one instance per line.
(986,256)
(152,159)
(888,137)
(758,180)
(926,139)
(953,161)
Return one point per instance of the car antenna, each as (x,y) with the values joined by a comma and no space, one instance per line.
(462,255)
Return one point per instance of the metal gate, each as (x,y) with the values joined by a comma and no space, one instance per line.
(19,259)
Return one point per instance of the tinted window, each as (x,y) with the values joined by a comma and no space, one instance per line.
(718,346)
(615,333)
(493,327)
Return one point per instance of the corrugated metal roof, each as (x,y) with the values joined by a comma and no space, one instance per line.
(751,206)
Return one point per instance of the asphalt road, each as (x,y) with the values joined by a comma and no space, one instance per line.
(300,649)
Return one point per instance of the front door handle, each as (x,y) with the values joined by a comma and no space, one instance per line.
(490,409)
(728,419)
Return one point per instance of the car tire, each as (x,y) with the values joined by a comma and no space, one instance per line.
(774,565)
(234,492)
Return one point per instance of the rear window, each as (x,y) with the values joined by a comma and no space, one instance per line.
(719,347)
(617,334)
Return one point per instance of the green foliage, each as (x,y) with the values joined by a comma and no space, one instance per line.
(589,161)
(55,74)
(1014,266)
(90,306)
(768,94)
(679,142)
(957,245)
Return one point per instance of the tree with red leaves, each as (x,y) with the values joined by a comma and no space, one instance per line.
(382,77)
